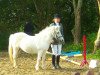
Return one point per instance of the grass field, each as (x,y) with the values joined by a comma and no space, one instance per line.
(26,63)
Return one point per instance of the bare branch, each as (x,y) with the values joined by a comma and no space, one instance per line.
(74,5)
(79,4)
(36,6)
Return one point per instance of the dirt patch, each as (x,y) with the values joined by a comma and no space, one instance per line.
(26,63)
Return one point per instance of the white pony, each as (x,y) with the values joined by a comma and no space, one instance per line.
(33,44)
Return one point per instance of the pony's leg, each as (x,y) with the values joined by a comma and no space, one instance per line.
(38,60)
(15,52)
(43,60)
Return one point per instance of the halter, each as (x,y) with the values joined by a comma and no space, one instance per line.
(59,37)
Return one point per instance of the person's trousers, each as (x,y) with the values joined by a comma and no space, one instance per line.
(56,49)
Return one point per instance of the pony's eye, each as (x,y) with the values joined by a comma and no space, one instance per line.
(58,32)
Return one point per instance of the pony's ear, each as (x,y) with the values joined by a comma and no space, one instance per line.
(53,29)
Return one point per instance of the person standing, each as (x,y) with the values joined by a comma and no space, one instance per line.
(56,46)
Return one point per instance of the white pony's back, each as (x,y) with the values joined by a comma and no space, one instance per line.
(16,38)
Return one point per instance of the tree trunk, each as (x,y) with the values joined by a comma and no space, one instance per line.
(76,31)
(99,10)
(96,44)
(99,5)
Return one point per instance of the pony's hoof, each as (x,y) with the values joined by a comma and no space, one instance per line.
(15,66)
(43,67)
(37,68)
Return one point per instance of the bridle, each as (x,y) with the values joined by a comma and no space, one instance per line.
(59,37)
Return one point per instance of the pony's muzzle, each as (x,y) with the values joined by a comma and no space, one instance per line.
(62,41)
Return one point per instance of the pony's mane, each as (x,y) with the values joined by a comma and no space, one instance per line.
(44,30)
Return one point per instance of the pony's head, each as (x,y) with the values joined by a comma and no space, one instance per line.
(57,34)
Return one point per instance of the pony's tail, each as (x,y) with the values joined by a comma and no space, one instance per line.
(10,49)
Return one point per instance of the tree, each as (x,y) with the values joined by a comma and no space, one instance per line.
(98,4)
(99,9)
(97,41)
(76,31)
(44,10)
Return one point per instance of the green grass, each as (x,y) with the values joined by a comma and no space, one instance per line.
(72,47)
(90,44)
(93,56)
(90,47)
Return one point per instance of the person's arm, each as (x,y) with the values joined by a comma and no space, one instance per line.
(62,29)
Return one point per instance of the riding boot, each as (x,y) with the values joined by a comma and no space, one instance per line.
(53,62)
(58,60)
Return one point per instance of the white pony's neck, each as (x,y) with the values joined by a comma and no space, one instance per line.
(46,34)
